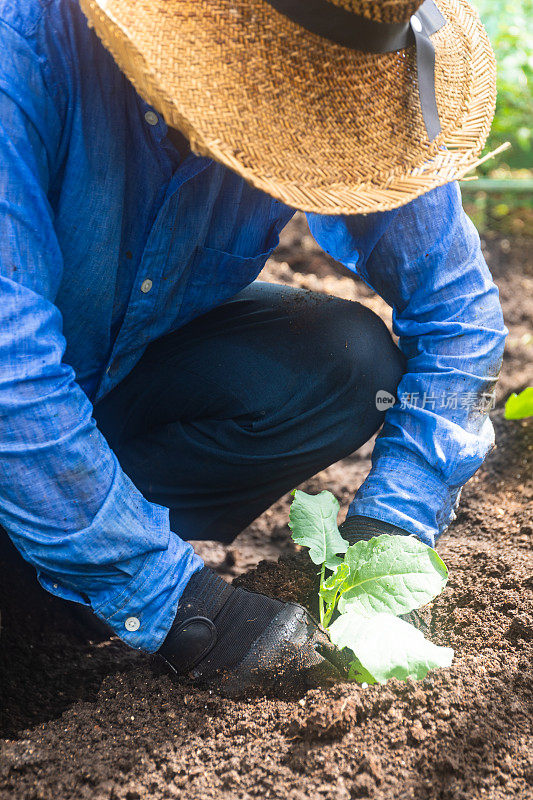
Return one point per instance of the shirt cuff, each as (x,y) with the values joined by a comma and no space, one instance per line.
(143,612)
(405,494)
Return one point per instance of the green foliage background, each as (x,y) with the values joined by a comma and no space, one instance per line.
(510,28)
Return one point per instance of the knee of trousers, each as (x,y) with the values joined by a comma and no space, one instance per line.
(370,365)
(365,351)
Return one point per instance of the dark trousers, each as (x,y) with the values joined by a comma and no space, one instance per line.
(222,417)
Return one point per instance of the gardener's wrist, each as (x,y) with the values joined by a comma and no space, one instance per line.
(142,605)
(358,528)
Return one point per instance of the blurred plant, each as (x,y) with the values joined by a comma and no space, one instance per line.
(510,30)
(520,406)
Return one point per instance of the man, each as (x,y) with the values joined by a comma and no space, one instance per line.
(150,392)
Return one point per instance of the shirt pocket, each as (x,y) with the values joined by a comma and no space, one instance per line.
(216,276)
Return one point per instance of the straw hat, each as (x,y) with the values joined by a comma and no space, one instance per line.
(287,94)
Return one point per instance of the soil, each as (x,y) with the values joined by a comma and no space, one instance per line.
(84,717)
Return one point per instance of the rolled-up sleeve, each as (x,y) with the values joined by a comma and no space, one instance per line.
(425,260)
(64,500)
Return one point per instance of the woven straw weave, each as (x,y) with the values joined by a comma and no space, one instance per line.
(313,123)
(381,10)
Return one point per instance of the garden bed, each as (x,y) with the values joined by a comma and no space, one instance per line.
(92,719)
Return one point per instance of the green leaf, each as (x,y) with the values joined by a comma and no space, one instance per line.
(387,647)
(330,587)
(520,406)
(356,672)
(313,521)
(334,562)
(391,574)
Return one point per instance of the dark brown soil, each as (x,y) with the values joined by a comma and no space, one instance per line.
(91,719)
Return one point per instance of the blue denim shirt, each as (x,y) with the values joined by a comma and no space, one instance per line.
(94,201)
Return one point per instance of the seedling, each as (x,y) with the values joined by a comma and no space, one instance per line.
(366,586)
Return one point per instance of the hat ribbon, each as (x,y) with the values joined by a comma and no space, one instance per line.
(369,36)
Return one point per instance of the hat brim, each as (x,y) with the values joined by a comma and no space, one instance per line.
(319,126)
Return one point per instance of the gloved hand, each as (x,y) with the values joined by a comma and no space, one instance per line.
(358,528)
(246,644)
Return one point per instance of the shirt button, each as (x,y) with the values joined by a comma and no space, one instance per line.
(146,286)
(132,624)
(151,118)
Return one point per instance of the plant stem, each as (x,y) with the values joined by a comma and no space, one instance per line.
(320,600)
(329,611)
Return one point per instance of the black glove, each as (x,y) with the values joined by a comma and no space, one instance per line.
(358,528)
(246,643)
